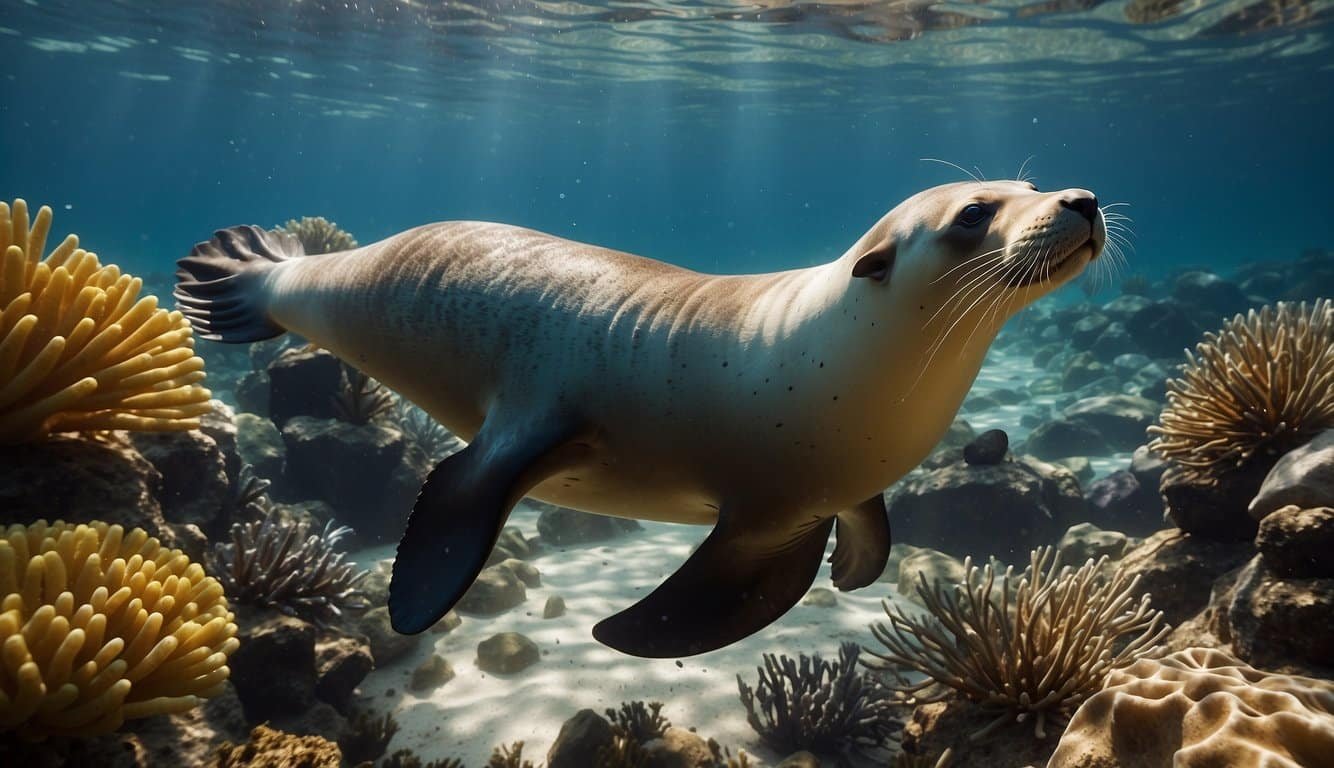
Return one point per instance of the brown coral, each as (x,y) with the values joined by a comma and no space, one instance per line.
(98,625)
(1199,708)
(269,748)
(1262,385)
(1031,650)
(79,349)
(319,235)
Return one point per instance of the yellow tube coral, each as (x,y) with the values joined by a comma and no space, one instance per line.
(79,349)
(98,626)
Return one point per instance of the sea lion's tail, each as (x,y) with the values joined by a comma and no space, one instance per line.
(220,285)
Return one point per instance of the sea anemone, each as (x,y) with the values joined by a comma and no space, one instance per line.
(361,399)
(826,707)
(1261,386)
(79,349)
(425,432)
(1032,649)
(279,564)
(319,235)
(98,626)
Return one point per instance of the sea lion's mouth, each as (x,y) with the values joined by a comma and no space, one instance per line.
(1054,268)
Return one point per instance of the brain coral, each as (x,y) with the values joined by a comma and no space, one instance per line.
(1201,708)
(79,349)
(98,626)
(1262,385)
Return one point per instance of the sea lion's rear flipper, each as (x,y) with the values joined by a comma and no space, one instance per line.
(220,285)
(726,591)
(459,513)
(861,548)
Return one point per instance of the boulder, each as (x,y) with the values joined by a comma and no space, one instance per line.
(1302,477)
(387,646)
(1298,543)
(579,741)
(220,424)
(431,674)
(1086,541)
(562,527)
(341,663)
(819,597)
(928,565)
(1082,369)
(1162,329)
(1079,466)
(507,653)
(195,488)
(273,669)
(678,748)
(260,445)
(1113,341)
(1088,328)
(1121,420)
(1209,293)
(496,590)
(1275,622)
(1213,506)
(1178,570)
(524,572)
(802,759)
(1119,502)
(1003,510)
(303,382)
(352,468)
(989,447)
(1062,438)
(252,393)
(554,608)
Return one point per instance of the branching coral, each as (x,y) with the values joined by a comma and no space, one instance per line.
(826,707)
(361,399)
(639,721)
(1261,386)
(1034,649)
(79,349)
(319,235)
(98,626)
(280,564)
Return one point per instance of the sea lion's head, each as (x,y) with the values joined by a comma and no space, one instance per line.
(972,254)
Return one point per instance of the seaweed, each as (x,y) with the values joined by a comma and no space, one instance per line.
(367,737)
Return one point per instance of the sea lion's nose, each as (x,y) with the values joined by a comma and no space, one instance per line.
(1081,202)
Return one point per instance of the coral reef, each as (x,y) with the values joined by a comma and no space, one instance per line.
(280,564)
(826,707)
(319,235)
(361,399)
(268,748)
(1261,386)
(1032,649)
(98,626)
(1201,707)
(79,349)
(367,737)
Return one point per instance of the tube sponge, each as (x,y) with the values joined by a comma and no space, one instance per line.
(79,349)
(98,626)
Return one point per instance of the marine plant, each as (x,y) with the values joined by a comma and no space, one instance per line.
(1259,387)
(509,757)
(280,564)
(79,348)
(825,707)
(249,493)
(640,721)
(423,431)
(99,625)
(1031,647)
(319,235)
(367,737)
(361,399)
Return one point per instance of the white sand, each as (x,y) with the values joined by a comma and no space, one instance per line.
(468,716)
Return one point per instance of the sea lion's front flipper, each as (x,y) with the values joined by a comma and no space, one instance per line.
(460,511)
(726,591)
(861,548)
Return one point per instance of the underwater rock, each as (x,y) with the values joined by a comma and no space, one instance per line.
(678,748)
(562,527)
(496,590)
(260,445)
(80,479)
(341,663)
(1113,341)
(554,608)
(220,424)
(195,487)
(959,434)
(819,597)
(524,572)
(351,467)
(1209,293)
(1119,502)
(1147,467)
(1121,420)
(512,545)
(269,748)
(1271,621)
(431,674)
(1084,368)
(507,653)
(579,740)
(1088,542)
(303,382)
(1125,305)
(1079,466)
(387,646)
(447,623)
(1179,570)
(192,737)
(1213,506)
(1298,543)
(1088,328)
(252,393)
(1064,438)
(273,670)
(942,725)
(987,448)
(1200,708)
(897,551)
(930,566)
(1162,329)
(1303,477)
(1004,510)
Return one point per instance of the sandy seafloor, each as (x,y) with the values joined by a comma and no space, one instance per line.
(468,716)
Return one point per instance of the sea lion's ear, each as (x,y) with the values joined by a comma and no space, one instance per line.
(876,263)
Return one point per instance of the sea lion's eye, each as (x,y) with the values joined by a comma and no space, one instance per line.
(971,215)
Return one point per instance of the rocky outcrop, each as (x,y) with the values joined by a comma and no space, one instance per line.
(579,741)
(1121,420)
(1179,570)
(507,653)
(195,487)
(303,382)
(1303,477)
(260,445)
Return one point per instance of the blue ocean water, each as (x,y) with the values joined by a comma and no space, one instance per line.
(722,136)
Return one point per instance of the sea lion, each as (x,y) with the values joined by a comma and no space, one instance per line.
(774,406)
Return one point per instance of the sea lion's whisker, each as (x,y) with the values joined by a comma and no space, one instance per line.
(965,263)
(960,295)
(956,166)
(1022,167)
